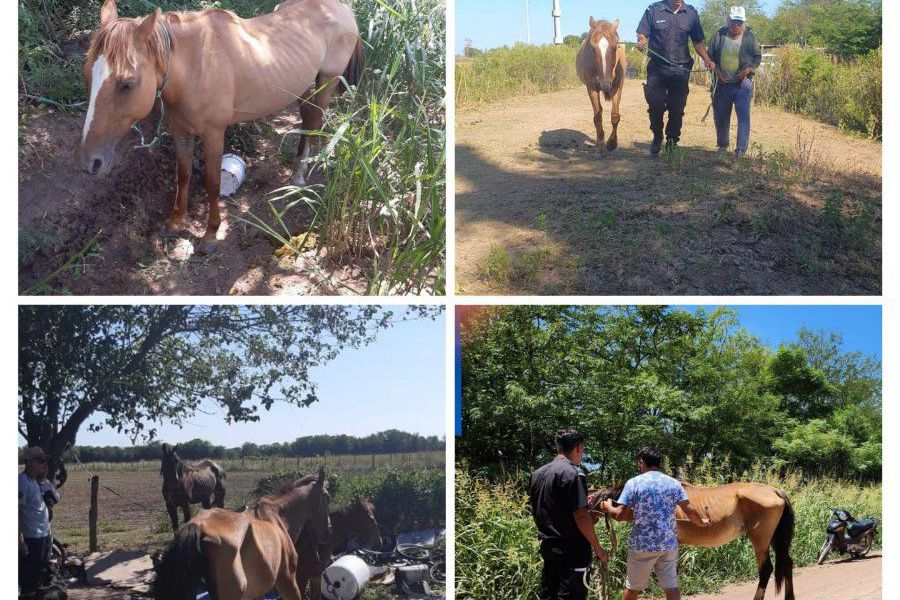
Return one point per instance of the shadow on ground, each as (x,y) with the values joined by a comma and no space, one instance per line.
(695,222)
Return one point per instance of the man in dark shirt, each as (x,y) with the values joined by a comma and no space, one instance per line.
(666,28)
(558,494)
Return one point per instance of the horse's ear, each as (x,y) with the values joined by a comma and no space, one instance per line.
(148,25)
(591,21)
(616,24)
(109,12)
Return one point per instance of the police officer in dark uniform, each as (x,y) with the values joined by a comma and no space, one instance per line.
(666,27)
(559,502)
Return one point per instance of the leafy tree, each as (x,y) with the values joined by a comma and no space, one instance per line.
(141,365)
(714,15)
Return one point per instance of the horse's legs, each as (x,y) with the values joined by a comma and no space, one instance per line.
(186,508)
(286,578)
(173,515)
(184,155)
(598,118)
(315,588)
(312,111)
(761,537)
(213,146)
(613,142)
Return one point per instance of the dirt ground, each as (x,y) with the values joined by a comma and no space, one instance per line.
(61,209)
(835,580)
(538,212)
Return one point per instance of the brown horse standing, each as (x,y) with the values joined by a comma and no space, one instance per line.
(760,511)
(242,555)
(356,520)
(601,65)
(190,483)
(211,69)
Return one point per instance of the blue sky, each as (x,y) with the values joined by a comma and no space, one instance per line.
(502,22)
(860,326)
(395,383)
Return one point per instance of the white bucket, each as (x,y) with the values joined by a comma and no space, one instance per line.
(345,578)
(234,169)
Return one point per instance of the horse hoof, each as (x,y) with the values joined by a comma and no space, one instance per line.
(298,180)
(612,145)
(206,248)
(170,230)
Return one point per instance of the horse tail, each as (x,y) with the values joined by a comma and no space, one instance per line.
(182,567)
(781,543)
(356,66)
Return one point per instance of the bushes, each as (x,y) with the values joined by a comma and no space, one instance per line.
(404,499)
(520,70)
(497,551)
(846,93)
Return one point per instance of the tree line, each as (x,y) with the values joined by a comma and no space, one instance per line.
(697,385)
(391,441)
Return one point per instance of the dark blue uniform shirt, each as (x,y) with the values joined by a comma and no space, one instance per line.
(669,31)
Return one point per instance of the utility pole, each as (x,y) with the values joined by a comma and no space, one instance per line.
(557,26)
(527,24)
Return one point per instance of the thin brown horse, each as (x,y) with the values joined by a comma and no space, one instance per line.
(761,512)
(356,520)
(601,65)
(243,555)
(190,483)
(211,69)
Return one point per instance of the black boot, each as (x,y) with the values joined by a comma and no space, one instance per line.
(655,146)
(671,145)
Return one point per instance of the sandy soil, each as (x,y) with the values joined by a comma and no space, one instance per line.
(835,580)
(62,208)
(539,213)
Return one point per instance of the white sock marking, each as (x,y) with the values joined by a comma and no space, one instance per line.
(99,74)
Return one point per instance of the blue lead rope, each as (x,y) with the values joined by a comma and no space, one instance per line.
(162,105)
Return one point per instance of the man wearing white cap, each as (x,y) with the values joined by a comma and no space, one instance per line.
(737,55)
(34,521)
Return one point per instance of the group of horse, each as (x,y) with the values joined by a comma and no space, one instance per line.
(284,540)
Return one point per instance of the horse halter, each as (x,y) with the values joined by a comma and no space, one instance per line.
(162,107)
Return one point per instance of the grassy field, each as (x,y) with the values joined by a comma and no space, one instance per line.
(408,491)
(497,552)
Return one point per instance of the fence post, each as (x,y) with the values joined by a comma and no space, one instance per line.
(92,515)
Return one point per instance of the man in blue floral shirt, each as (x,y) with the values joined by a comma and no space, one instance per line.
(650,500)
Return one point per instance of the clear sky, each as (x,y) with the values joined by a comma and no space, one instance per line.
(502,22)
(860,326)
(395,383)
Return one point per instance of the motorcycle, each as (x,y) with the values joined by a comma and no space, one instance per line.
(847,535)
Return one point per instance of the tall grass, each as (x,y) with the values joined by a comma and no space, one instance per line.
(842,92)
(383,155)
(497,551)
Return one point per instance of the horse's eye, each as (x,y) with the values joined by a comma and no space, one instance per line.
(127,85)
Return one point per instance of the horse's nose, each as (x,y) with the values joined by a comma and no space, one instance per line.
(95,166)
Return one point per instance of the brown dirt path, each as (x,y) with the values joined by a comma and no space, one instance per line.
(539,213)
(62,208)
(835,580)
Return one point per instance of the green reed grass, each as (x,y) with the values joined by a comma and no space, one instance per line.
(383,155)
(497,550)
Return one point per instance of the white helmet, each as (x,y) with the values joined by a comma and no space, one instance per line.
(738,13)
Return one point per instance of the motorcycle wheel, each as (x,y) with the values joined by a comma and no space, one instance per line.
(864,546)
(825,551)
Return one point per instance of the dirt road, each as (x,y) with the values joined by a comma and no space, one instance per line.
(539,213)
(835,580)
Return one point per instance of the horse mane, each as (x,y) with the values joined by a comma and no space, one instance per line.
(115,41)
(355,504)
(610,493)
(605,28)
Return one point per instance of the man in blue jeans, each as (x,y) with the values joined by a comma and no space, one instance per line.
(737,55)
(650,500)
(34,522)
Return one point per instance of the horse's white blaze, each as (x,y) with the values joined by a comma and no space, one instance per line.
(604,47)
(99,74)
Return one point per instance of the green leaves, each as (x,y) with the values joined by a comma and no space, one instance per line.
(141,365)
(693,383)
